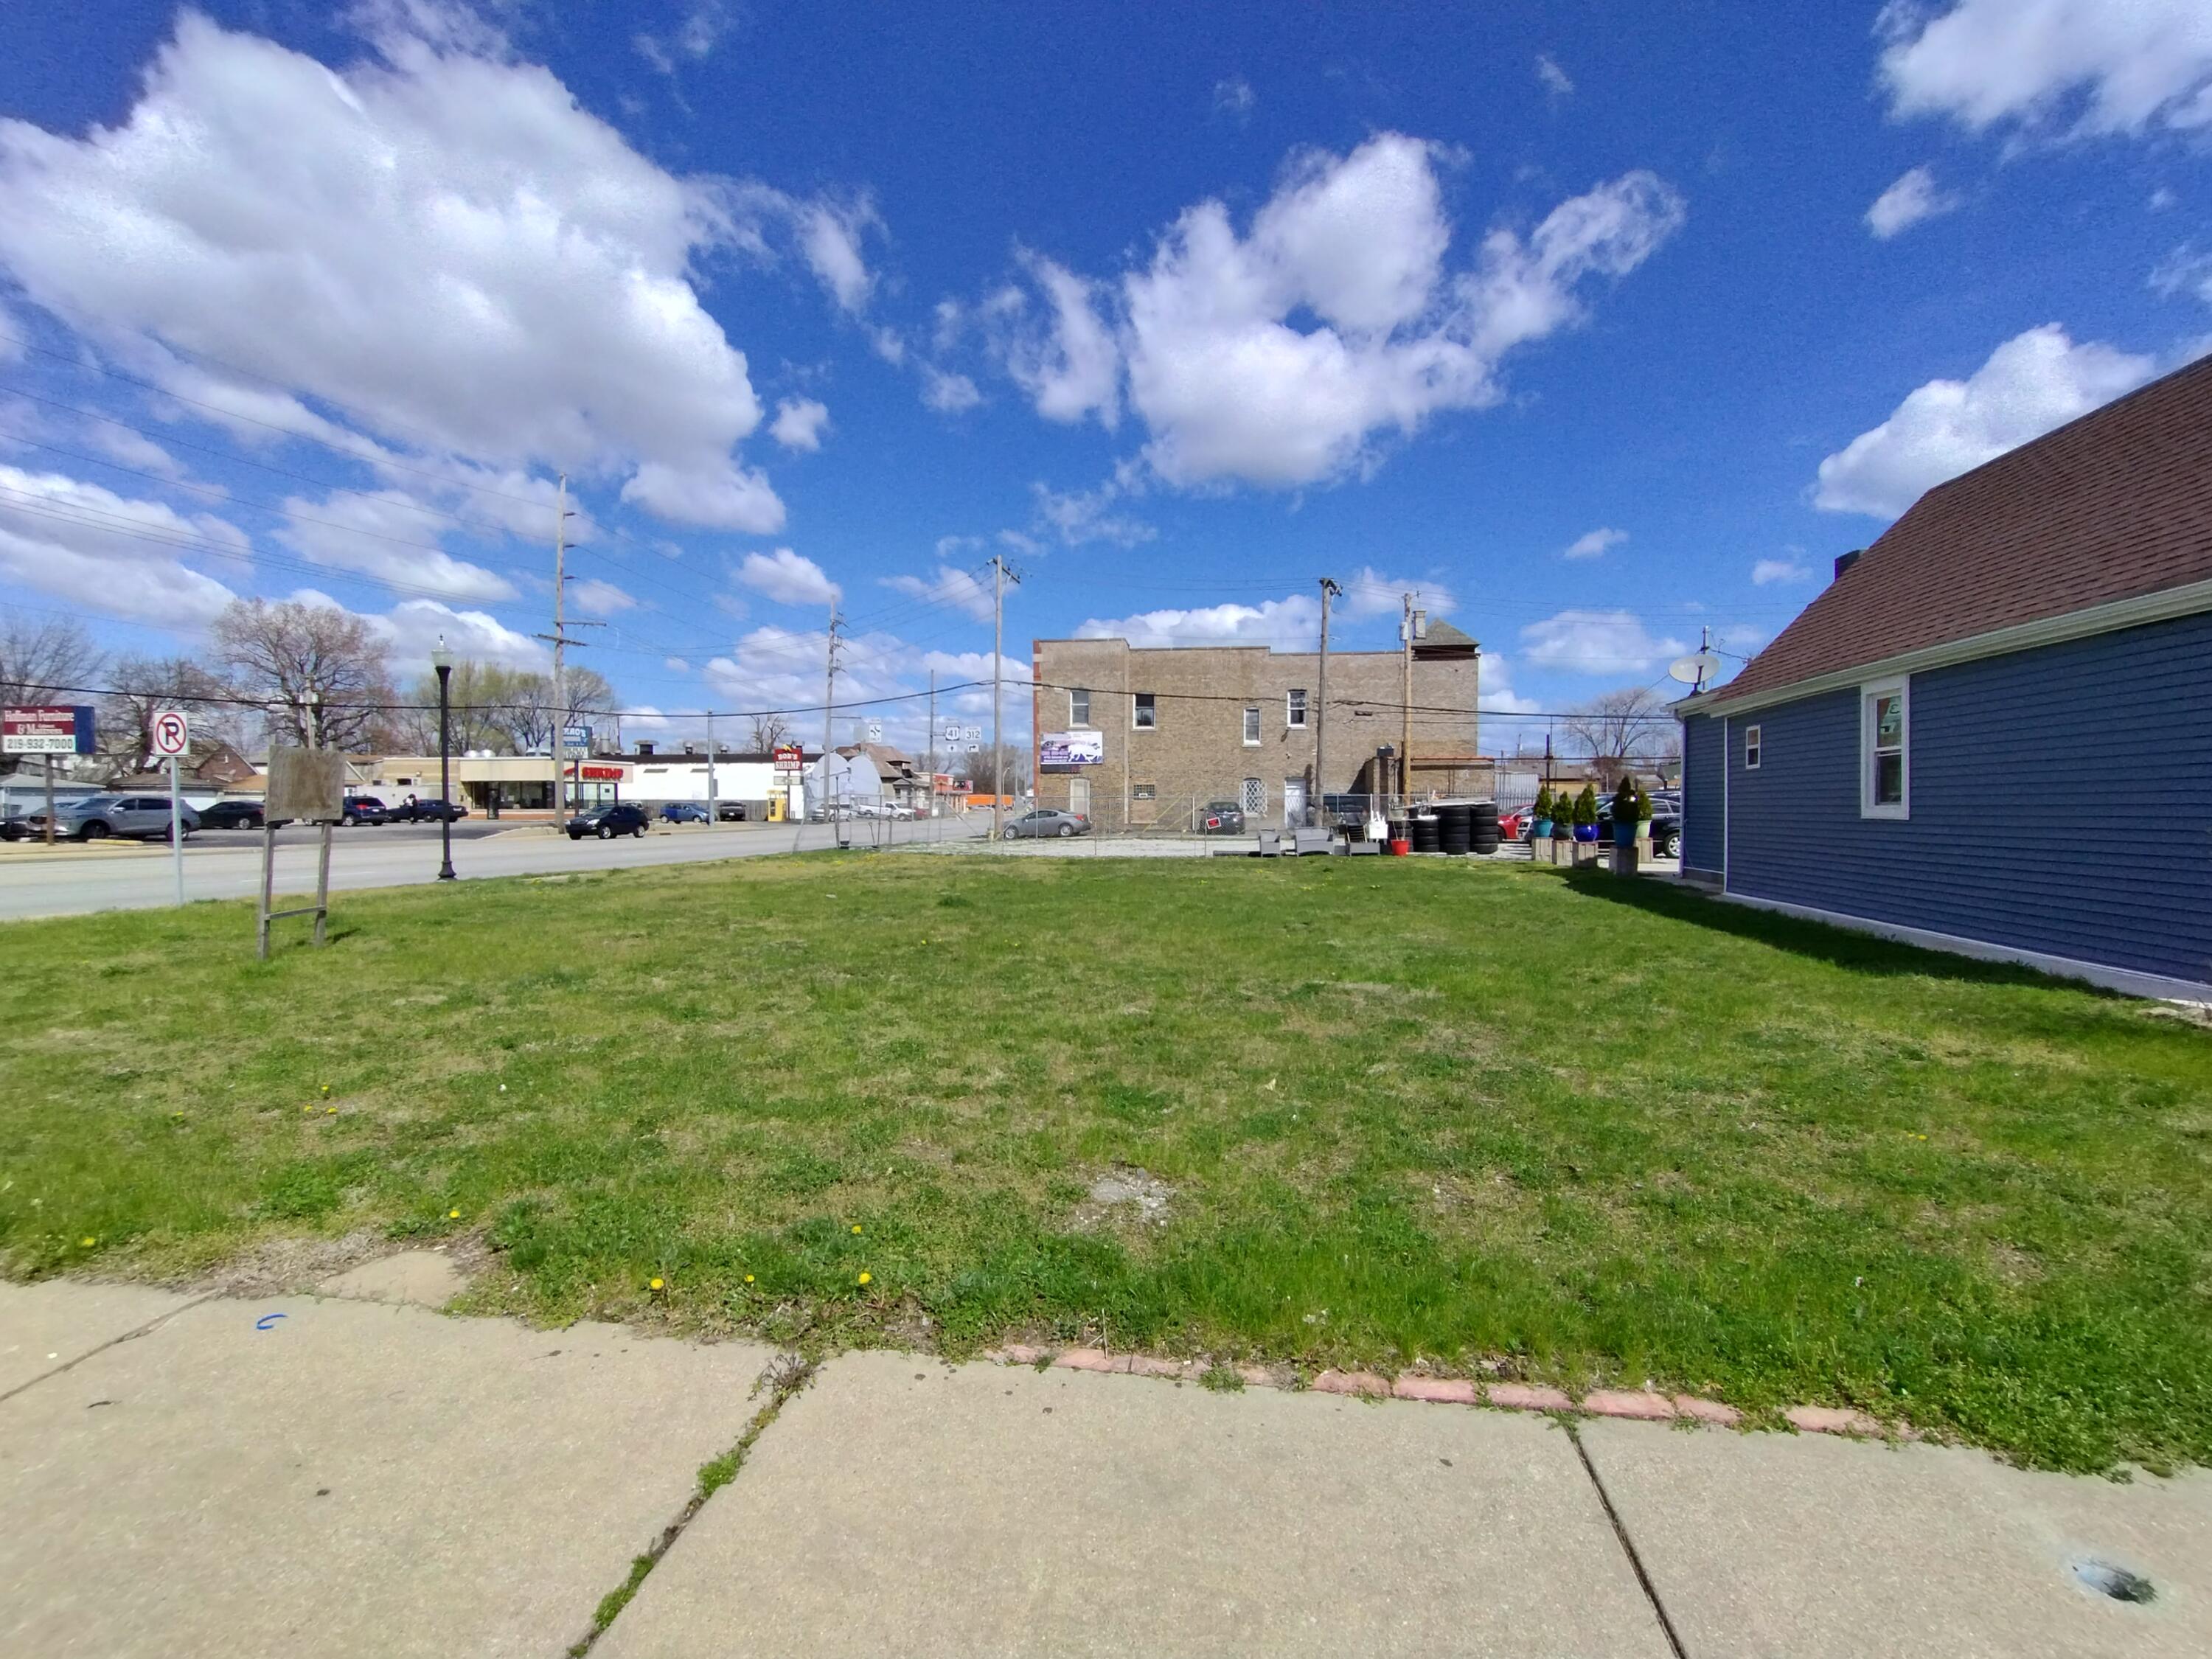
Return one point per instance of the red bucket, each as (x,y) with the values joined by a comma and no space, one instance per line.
(1399,848)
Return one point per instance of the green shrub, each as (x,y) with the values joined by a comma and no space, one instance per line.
(1630,804)
(1586,804)
(1542,810)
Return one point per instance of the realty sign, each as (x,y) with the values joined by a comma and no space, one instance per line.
(66,729)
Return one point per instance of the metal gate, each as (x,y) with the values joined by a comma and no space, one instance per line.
(1255,798)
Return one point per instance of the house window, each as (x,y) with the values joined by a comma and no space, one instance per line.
(1885,750)
(1255,797)
(1146,714)
(1296,718)
(1251,728)
(1079,708)
(1751,749)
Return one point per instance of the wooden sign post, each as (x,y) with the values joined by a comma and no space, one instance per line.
(305,786)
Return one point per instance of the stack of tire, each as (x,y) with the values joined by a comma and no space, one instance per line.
(1426,833)
(1455,828)
(1483,829)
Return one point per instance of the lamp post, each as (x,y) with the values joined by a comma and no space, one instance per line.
(442,661)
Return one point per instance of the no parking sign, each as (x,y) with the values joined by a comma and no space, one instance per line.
(171,733)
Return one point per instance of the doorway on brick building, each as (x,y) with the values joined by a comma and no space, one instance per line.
(1079,796)
(1294,800)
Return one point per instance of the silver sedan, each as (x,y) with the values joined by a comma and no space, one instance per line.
(1046,821)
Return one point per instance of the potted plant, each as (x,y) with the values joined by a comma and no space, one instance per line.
(1631,809)
(1563,829)
(1586,814)
(1541,814)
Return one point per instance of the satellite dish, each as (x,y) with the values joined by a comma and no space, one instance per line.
(1696,668)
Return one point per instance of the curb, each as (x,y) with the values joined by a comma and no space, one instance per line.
(1638,1404)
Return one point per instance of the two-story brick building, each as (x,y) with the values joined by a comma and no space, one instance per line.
(1154,733)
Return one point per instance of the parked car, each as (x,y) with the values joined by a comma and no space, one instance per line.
(1666,828)
(615,818)
(684,812)
(97,817)
(730,811)
(1047,821)
(232,815)
(1221,818)
(1513,825)
(433,811)
(365,809)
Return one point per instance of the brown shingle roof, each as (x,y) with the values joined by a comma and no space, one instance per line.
(2112,505)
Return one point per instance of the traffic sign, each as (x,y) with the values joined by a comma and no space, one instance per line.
(973,734)
(952,735)
(173,732)
(875,731)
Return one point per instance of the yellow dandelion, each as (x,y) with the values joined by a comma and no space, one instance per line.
(331,1111)
(653,1284)
(867,1277)
(749,1279)
(856,1227)
(452,1215)
(87,1242)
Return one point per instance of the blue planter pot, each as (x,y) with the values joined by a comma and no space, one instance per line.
(1624,835)
(1586,832)
(1543,831)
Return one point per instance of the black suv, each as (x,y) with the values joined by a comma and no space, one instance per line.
(426,811)
(615,818)
(366,809)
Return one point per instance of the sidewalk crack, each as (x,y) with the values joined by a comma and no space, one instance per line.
(154,1323)
(787,1374)
(1628,1546)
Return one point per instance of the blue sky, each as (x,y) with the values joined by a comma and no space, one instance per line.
(1597,325)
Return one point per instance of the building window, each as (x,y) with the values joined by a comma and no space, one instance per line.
(1255,797)
(1251,728)
(1145,715)
(1751,749)
(1296,718)
(1079,708)
(1885,750)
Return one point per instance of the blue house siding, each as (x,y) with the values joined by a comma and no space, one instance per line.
(1704,756)
(2058,797)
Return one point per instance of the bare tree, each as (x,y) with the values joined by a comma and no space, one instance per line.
(489,703)
(1005,773)
(322,675)
(44,663)
(767,732)
(1620,727)
(528,716)
(144,686)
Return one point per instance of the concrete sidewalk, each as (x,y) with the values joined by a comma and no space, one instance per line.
(315,1474)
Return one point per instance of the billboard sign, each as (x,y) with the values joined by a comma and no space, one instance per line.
(1071,749)
(790,757)
(576,737)
(64,730)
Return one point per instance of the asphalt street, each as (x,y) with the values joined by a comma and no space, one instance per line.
(227,864)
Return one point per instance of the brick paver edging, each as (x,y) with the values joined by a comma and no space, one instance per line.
(1644,1404)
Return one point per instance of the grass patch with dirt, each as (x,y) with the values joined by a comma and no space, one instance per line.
(1328,1112)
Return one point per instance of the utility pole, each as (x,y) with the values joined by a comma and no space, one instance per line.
(560,641)
(1329,590)
(998,576)
(932,743)
(1405,736)
(828,707)
(713,817)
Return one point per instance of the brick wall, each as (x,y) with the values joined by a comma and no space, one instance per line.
(1196,751)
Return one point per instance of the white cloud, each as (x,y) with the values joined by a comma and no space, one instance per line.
(465,260)
(1232,388)
(595,597)
(1912,198)
(829,236)
(2106,66)
(675,665)
(387,537)
(1596,642)
(1553,78)
(1289,625)
(2162,198)
(1594,544)
(1081,516)
(2031,383)
(112,555)
(799,422)
(947,392)
(694,38)
(1073,368)
(1496,692)
(133,449)
(1235,96)
(413,626)
(2185,270)
(1766,572)
(786,577)
(1368,593)
(961,590)
(721,496)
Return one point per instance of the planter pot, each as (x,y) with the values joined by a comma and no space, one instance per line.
(1624,835)
(1543,831)
(1400,846)
(1585,832)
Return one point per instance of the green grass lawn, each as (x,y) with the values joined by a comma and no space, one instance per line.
(1593,1130)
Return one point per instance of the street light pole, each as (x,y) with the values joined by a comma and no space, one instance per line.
(442,661)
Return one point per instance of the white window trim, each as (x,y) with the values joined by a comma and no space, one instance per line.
(1081,721)
(1252,736)
(1136,725)
(1296,715)
(1901,687)
(1754,748)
